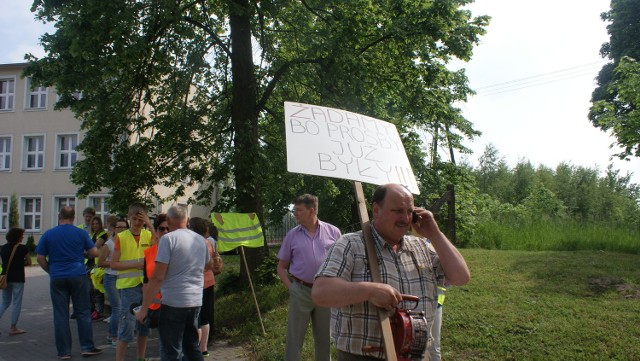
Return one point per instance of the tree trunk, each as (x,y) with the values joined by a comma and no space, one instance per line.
(451,151)
(244,117)
(434,145)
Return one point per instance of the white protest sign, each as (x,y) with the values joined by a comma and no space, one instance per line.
(336,143)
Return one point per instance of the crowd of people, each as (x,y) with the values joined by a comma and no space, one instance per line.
(87,264)
(159,274)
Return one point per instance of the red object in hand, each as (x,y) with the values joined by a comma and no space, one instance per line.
(410,332)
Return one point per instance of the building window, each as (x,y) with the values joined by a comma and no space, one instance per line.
(5,153)
(4,213)
(31,213)
(66,148)
(36,96)
(59,202)
(65,201)
(99,203)
(33,152)
(7,94)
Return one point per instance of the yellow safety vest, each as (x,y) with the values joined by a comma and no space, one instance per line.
(132,251)
(237,229)
(98,236)
(441,294)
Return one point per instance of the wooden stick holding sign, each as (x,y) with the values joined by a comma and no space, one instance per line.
(337,143)
(253,292)
(383,315)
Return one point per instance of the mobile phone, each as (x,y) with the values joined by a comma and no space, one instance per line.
(414,217)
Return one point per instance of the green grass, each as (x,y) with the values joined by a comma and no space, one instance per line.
(564,235)
(541,306)
(518,306)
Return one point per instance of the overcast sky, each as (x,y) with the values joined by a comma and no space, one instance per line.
(533,72)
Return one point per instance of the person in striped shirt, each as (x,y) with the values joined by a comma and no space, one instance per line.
(344,280)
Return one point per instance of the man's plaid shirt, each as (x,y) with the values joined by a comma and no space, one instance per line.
(410,271)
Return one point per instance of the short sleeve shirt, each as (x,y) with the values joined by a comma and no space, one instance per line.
(304,253)
(185,254)
(64,245)
(410,271)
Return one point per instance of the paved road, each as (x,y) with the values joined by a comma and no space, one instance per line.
(38,343)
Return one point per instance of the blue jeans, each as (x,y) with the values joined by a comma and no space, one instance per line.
(178,330)
(12,294)
(75,289)
(109,283)
(129,326)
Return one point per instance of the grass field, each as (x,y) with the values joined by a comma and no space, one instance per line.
(552,235)
(519,305)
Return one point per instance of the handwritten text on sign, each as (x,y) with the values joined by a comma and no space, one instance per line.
(336,143)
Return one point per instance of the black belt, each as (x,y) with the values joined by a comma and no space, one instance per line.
(302,282)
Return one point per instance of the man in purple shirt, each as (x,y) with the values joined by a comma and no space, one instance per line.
(301,254)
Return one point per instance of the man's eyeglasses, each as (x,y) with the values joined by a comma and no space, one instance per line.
(163,229)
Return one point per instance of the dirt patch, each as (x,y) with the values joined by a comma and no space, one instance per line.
(603,284)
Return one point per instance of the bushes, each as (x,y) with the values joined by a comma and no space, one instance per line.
(31,244)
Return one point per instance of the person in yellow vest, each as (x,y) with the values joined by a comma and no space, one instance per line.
(115,226)
(87,214)
(128,261)
(99,237)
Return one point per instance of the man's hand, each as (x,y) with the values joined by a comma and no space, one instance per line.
(141,315)
(425,224)
(384,296)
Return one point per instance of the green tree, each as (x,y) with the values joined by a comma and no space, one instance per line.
(542,203)
(615,100)
(493,174)
(14,215)
(191,92)
(621,114)
(524,180)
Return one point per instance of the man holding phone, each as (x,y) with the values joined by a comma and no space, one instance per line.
(344,280)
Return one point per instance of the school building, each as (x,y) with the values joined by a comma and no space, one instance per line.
(37,155)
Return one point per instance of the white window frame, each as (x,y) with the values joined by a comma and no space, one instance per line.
(35,224)
(37,153)
(71,154)
(8,98)
(99,203)
(56,204)
(5,154)
(40,93)
(5,209)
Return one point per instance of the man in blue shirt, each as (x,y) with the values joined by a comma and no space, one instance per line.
(61,253)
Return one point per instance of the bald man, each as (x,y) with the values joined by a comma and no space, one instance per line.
(344,281)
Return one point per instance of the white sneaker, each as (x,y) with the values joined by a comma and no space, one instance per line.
(107,320)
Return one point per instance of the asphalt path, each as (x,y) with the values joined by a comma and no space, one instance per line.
(38,342)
